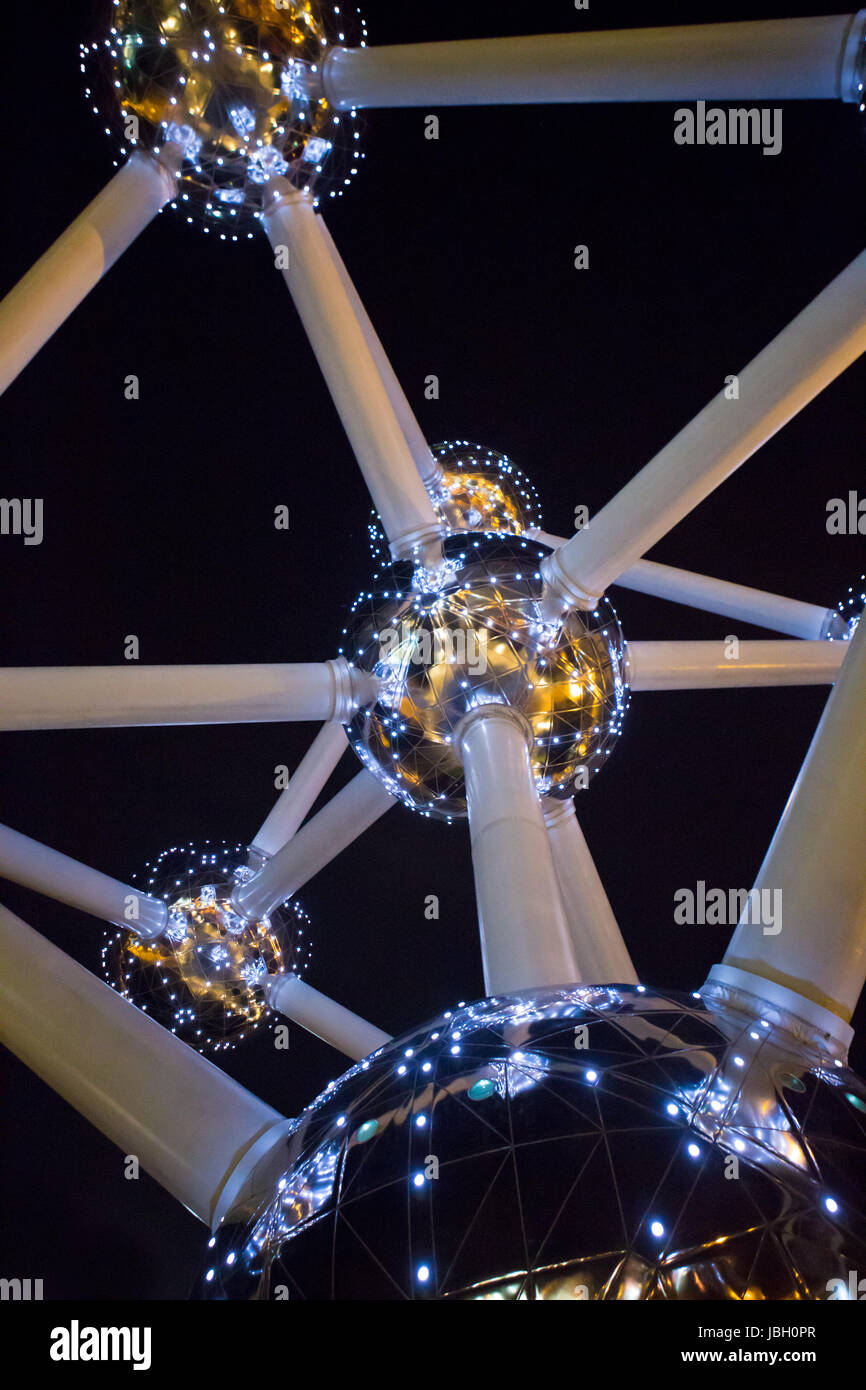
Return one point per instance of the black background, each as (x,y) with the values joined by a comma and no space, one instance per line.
(159,522)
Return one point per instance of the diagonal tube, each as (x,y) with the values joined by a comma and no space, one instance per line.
(812,351)
(429,470)
(36,307)
(47,871)
(780,614)
(306,782)
(351,372)
(194,1129)
(815,869)
(328,1020)
(346,816)
(747,605)
(600,953)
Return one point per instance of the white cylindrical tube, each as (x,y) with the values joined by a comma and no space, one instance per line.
(774,611)
(720,665)
(425,463)
(805,620)
(349,368)
(339,1027)
(763,60)
(68,271)
(352,811)
(305,784)
(534,533)
(190,1126)
(812,351)
(814,875)
(47,871)
(600,953)
(101,697)
(525,939)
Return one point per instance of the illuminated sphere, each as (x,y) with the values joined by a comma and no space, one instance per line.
(443,641)
(480,490)
(583,1143)
(235,86)
(202,978)
(851,607)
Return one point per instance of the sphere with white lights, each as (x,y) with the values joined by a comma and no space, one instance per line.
(237,87)
(581,1143)
(479,490)
(203,977)
(470,632)
(851,607)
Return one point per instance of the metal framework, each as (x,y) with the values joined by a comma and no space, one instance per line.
(543,914)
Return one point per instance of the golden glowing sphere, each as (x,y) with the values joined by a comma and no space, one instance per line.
(482,490)
(479,490)
(203,978)
(472,632)
(237,86)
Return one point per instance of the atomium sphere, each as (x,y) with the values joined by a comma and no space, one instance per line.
(851,607)
(480,490)
(442,641)
(202,979)
(236,85)
(585,1143)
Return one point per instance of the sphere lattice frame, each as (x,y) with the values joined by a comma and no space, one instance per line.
(565,1144)
(851,607)
(472,633)
(235,86)
(480,490)
(203,977)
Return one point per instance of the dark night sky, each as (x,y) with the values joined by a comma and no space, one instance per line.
(158,521)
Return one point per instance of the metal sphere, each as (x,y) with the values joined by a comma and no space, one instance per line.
(851,607)
(237,85)
(202,979)
(472,632)
(480,490)
(586,1143)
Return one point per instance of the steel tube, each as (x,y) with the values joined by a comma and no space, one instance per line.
(47,871)
(805,620)
(305,784)
(350,370)
(352,811)
(816,347)
(600,953)
(191,1127)
(705,665)
(525,939)
(817,862)
(774,611)
(423,459)
(36,307)
(328,1020)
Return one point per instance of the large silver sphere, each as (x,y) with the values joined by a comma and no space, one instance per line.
(472,632)
(575,1143)
(204,977)
(236,86)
